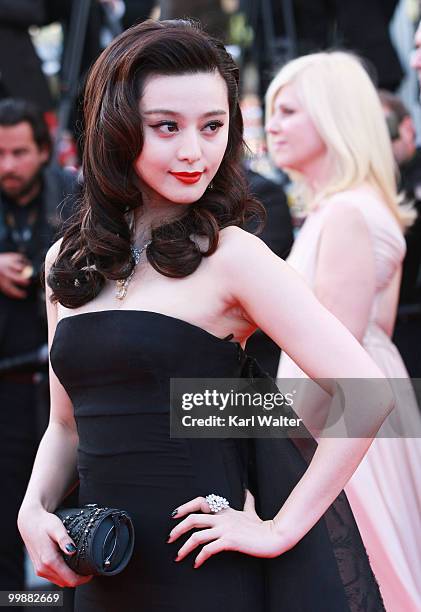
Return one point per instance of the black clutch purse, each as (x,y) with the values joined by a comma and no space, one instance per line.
(104,539)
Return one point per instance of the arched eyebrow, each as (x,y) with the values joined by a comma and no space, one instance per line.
(165,111)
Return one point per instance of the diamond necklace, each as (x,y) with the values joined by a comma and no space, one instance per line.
(123,283)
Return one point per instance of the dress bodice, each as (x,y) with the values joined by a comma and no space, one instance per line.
(129,356)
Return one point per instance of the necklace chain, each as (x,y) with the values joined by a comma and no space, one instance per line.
(123,283)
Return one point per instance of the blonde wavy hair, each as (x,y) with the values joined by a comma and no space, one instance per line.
(338,94)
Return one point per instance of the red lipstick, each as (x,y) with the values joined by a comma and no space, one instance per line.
(188,178)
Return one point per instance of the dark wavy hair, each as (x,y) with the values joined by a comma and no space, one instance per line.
(96,244)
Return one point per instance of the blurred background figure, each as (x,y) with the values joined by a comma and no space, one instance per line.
(20,67)
(408,158)
(136,11)
(88,26)
(416,55)
(350,249)
(85,31)
(209,12)
(285,29)
(30,193)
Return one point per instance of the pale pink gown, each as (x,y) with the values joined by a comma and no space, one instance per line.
(385,491)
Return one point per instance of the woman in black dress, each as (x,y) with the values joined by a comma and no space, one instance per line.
(154,279)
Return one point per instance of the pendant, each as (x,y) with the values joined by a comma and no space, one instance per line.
(121,288)
(123,284)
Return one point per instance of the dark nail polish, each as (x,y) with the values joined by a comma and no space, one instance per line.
(71,548)
(174,512)
(168,537)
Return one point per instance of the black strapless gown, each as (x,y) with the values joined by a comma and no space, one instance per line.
(116,366)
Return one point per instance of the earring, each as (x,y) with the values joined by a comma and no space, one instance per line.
(210,186)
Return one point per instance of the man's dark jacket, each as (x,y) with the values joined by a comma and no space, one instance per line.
(59,193)
(278,235)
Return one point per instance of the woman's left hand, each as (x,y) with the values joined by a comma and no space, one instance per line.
(242,531)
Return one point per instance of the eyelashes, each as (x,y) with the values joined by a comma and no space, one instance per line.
(171,127)
(216,124)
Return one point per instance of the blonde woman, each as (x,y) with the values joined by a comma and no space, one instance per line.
(326,128)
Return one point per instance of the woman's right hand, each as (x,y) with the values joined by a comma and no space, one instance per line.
(45,537)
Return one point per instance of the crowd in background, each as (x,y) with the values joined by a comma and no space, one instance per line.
(41,140)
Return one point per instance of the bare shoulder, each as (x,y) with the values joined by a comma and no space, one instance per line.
(52,254)
(229,237)
(354,200)
(51,305)
(50,258)
(346,210)
(346,224)
(234,238)
(240,254)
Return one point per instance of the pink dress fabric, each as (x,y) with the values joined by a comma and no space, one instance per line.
(385,491)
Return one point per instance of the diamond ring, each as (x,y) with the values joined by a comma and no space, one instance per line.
(216,503)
